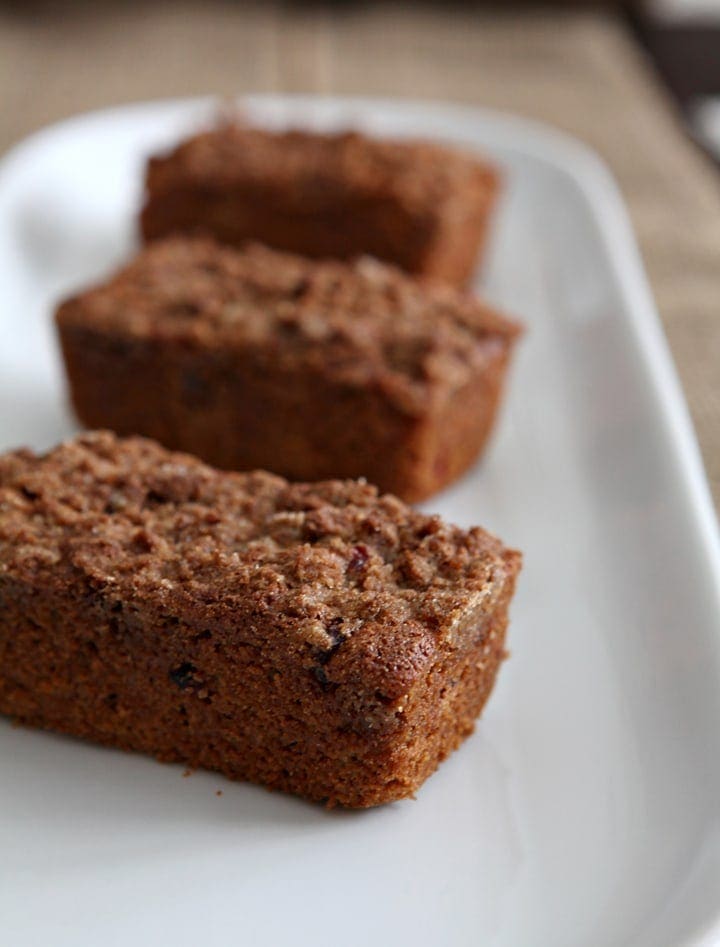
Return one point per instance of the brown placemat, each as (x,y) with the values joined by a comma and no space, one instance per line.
(579,71)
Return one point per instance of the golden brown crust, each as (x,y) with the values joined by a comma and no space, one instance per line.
(117,554)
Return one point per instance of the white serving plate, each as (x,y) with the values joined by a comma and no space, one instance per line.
(584,812)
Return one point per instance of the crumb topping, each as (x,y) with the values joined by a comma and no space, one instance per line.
(135,520)
(364,323)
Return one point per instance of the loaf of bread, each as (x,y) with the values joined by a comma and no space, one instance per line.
(253,358)
(316,638)
(420,205)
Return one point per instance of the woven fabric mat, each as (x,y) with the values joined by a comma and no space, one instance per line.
(579,71)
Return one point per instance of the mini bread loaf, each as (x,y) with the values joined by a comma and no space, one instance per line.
(420,205)
(316,638)
(253,358)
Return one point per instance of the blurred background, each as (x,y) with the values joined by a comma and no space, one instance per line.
(637,81)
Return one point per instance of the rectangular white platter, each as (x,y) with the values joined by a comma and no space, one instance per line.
(584,812)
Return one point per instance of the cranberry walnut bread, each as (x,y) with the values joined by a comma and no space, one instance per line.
(420,205)
(317,638)
(257,359)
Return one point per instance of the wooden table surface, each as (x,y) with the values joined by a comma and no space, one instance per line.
(579,71)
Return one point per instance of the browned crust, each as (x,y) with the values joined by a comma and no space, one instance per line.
(319,639)
(313,369)
(418,204)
